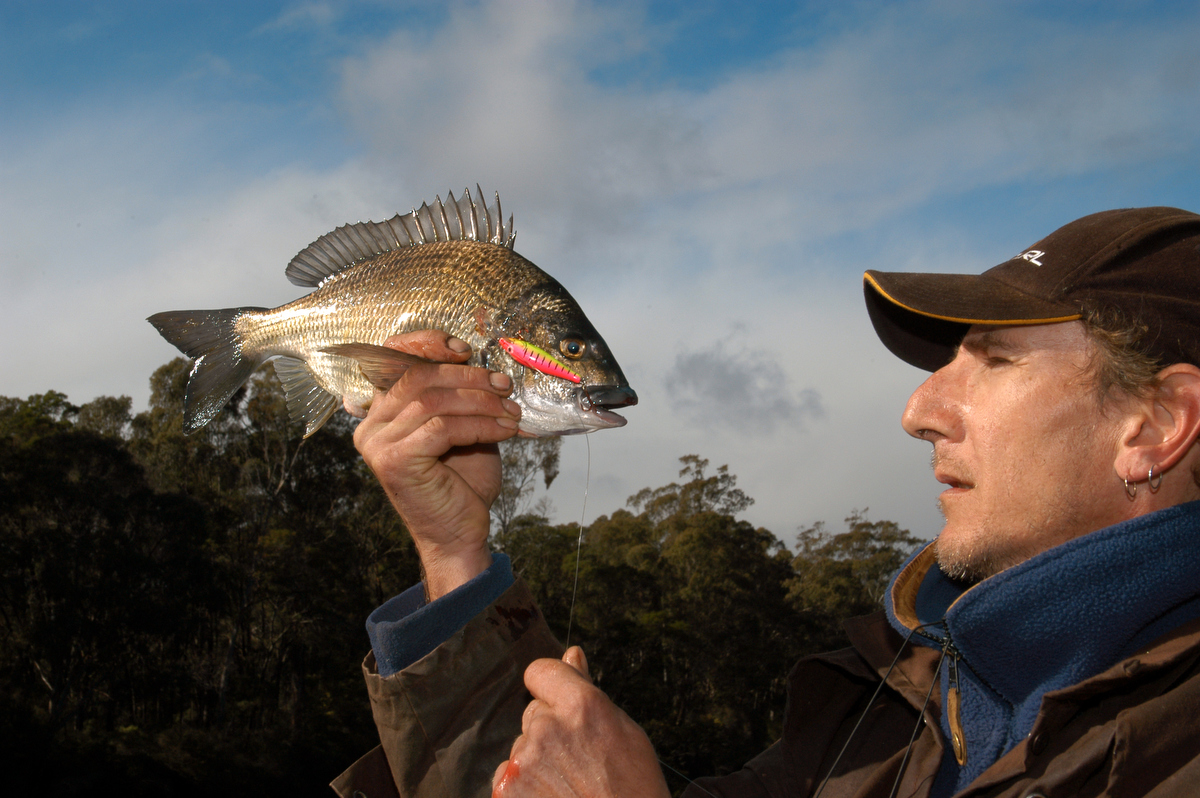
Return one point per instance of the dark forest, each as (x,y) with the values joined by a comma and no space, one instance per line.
(183,615)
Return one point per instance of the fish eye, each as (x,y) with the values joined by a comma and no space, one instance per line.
(572,347)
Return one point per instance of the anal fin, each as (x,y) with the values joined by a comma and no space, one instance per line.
(308,403)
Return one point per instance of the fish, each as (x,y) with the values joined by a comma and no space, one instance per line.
(447,265)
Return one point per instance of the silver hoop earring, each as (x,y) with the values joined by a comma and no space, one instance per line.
(1150,480)
(1130,489)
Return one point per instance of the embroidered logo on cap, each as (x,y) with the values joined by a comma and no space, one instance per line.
(1031,255)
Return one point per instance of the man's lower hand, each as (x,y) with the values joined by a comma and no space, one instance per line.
(575,742)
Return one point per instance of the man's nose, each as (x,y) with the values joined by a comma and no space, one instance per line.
(932,410)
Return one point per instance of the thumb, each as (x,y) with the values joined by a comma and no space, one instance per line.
(503,778)
(575,657)
(431,345)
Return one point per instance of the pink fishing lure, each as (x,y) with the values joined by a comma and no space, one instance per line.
(534,357)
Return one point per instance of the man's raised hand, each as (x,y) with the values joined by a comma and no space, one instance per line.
(431,442)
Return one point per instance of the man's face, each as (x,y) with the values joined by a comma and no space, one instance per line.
(1023,443)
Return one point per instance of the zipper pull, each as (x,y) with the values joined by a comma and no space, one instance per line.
(958,737)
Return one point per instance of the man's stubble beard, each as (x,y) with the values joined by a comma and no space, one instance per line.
(967,567)
(972,558)
(975,563)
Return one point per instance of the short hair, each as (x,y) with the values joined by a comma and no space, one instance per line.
(1123,361)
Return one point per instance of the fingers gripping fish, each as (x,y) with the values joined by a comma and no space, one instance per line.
(448,266)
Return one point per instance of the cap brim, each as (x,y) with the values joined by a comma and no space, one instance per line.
(921,318)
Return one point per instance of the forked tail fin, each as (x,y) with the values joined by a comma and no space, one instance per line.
(220,366)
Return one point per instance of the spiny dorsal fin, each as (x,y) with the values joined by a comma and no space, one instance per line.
(455,220)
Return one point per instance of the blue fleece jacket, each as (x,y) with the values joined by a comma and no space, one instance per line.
(1053,621)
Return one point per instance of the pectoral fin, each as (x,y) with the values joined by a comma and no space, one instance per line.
(381,365)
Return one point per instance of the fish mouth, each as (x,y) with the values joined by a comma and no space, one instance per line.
(607,396)
(597,399)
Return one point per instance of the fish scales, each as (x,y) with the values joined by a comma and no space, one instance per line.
(326,346)
(395,293)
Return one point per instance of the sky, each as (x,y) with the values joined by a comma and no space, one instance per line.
(708,179)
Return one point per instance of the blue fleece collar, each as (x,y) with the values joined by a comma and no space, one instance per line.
(1055,620)
(1081,607)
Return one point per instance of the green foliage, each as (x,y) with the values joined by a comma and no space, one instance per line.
(92,563)
(691,618)
(717,493)
(23,421)
(182,615)
(187,610)
(683,612)
(523,460)
(842,575)
(107,415)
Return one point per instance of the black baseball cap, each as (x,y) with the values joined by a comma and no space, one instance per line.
(1144,262)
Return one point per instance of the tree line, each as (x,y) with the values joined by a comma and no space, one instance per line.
(183,615)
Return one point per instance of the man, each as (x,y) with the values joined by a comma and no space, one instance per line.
(1046,643)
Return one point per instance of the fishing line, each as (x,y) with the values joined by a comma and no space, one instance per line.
(685,778)
(875,695)
(587,483)
(575,589)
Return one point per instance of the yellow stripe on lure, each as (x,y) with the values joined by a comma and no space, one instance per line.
(537,358)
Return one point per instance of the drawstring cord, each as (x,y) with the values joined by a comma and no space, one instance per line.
(875,695)
(916,729)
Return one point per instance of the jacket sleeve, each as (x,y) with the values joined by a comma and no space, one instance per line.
(406,628)
(447,721)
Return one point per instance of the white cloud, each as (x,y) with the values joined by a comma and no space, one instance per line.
(302,15)
(673,215)
(923,100)
(667,211)
(745,390)
(108,219)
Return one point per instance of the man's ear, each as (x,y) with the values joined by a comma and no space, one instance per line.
(1163,426)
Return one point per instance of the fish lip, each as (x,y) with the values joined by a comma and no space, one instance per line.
(594,400)
(606,396)
(609,418)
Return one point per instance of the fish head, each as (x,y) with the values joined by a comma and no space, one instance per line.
(565,377)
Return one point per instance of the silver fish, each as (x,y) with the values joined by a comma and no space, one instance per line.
(447,266)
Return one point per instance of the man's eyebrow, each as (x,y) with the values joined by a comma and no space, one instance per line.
(990,340)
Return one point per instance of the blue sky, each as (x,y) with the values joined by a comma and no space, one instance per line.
(708,179)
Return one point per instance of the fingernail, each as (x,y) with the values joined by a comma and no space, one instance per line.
(499,381)
(507,423)
(512,408)
(458,345)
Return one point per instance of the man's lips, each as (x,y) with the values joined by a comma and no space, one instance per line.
(953,481)
(946,471)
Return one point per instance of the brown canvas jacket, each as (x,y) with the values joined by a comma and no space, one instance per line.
(446,722)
